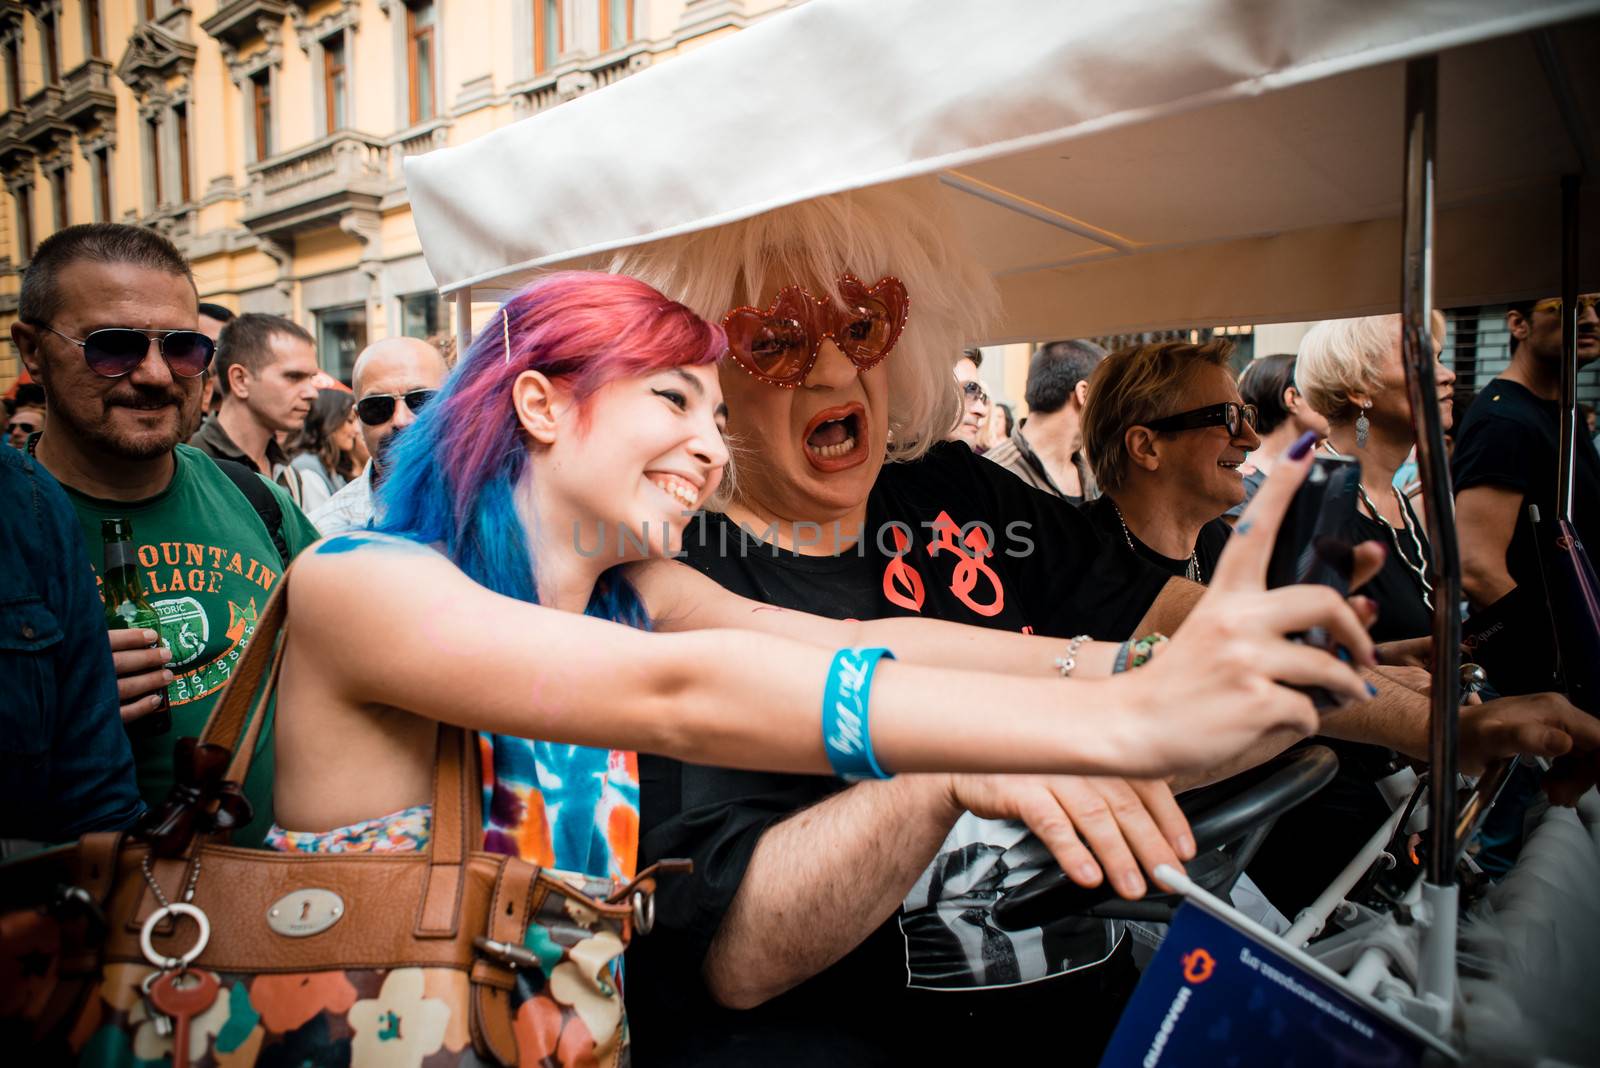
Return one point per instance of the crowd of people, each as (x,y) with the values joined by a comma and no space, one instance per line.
(650,514)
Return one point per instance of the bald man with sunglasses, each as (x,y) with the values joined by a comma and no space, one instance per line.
(393,379)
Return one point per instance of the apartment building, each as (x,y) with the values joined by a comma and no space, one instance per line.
(266,137)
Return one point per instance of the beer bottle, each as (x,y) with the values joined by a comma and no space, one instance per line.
(127,608)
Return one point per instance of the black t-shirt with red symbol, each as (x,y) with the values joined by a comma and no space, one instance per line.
(952,537)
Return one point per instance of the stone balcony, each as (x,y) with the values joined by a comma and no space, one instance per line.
(415,142)
(87,99)
(238,21)
(43,129)
(574,77)
(14,151)
(342,175)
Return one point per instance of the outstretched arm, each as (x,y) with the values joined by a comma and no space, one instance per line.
(679,599)
(479,660)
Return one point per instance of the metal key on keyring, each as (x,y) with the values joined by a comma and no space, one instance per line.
(158,1019)
(183,995)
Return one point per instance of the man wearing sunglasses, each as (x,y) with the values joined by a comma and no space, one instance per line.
(264,368)
(974,399)
(392,379)
(25,422)
(1505,454)
(106,324)
(1167,431)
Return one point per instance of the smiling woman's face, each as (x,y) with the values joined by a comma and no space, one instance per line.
(812,453)
(639,457)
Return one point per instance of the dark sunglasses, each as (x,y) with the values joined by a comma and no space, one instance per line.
(378,409)
(1233,416)
(12,428)
(974,391)
(780,345)
(117,350)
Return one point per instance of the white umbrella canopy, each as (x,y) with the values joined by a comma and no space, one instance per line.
(1118,167)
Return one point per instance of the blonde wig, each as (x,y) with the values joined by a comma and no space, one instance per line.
(902,230)
(1341,357)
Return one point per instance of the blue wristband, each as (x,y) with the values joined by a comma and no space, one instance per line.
(846,725)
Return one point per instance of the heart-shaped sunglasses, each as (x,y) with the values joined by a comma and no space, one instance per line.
(780,345)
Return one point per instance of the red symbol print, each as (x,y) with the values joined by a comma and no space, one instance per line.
(901,584)
(947,536)
(1198,966)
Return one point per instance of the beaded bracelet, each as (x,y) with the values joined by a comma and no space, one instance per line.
(1065,664)
(1137,652)
(846,719)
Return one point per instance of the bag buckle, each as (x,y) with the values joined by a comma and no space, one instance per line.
(512,956)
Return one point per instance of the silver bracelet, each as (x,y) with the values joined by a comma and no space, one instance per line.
(1065,664)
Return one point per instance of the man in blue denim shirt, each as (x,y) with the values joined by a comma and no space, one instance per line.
(65,765)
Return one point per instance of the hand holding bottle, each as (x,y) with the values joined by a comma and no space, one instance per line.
(141,659)
(142,675)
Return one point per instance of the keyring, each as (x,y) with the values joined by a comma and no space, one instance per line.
(644,911)
(179,908)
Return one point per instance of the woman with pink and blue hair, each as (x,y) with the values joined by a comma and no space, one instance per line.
(517,585)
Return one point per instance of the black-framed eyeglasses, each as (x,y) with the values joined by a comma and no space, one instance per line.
(116,350)
(974,391)
(1233,416)
(378,409)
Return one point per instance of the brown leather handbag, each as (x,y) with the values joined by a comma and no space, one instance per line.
(452,955)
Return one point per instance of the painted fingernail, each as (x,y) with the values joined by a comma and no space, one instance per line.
(1372,691)
(1342,653)
(1302,445)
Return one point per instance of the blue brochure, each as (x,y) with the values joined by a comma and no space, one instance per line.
(1216,996)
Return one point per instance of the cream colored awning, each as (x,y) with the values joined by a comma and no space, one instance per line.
(1119,166)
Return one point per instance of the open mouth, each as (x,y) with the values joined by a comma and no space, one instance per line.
(677,487)
(835,438)
(1229,465)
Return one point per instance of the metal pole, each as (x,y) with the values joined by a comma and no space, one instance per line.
(1569,342)
(1416,308)
(463,298)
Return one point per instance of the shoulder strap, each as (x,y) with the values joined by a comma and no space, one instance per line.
(261,499)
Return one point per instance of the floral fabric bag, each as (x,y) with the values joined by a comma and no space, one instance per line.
(450,956)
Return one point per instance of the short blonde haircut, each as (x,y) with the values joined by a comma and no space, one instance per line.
(1133,386)
(902,229)
(1339,357)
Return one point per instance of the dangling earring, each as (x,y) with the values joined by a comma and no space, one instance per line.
(1363,424)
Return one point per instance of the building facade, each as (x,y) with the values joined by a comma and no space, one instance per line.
(265,137)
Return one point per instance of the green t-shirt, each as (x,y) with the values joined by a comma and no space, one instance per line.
(208,564)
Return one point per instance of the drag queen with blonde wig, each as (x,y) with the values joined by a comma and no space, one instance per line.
(845,315)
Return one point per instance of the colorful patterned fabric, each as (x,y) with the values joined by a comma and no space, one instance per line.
(567,807)
(405,831)
(567,1013)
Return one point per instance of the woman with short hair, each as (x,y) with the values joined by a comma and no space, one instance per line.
(1351,373)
